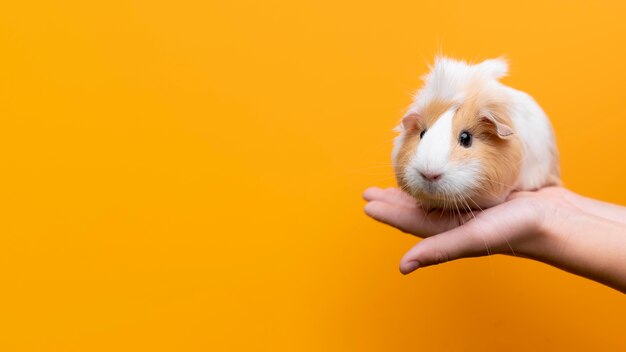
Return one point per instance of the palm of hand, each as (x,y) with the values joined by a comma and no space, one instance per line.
(513,227)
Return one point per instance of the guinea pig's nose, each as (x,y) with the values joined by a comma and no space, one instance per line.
(430,176)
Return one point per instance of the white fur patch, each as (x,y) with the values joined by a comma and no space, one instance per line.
(434,149)
(448,80)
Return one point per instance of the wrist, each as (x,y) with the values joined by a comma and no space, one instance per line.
(550,239)
(562,237)
(544,237)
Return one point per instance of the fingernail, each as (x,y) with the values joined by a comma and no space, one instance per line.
(410,267)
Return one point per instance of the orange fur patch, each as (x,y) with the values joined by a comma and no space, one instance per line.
(500,157)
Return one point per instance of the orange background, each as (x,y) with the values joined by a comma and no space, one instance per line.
(186,175)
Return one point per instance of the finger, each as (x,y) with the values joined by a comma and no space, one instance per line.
(410,220)
(372,193)
(390,195)
(461,242)
(398,195)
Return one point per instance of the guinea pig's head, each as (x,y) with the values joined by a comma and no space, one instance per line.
(457,146)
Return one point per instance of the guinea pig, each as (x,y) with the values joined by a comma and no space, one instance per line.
(467,140)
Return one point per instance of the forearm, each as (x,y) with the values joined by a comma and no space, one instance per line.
(601,209)
(588,246)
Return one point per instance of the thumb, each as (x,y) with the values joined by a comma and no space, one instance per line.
(461,242)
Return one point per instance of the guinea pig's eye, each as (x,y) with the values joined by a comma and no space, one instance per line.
(465,139)
(422,133)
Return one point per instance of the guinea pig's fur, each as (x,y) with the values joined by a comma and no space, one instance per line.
(511,142)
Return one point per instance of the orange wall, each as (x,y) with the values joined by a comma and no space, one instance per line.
(186,175)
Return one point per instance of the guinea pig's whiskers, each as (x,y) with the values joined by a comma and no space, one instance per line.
(489,253)
(443,208)
(454,210)
(499,234)
(447,204)
(385,178)
(373,168)
(461,217)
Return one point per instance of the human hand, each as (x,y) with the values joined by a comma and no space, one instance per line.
(515,227)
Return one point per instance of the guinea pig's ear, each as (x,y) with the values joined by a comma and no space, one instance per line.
(503,130)
(411,121)
(494,68)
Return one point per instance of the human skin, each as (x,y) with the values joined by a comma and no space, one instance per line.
(552,225)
